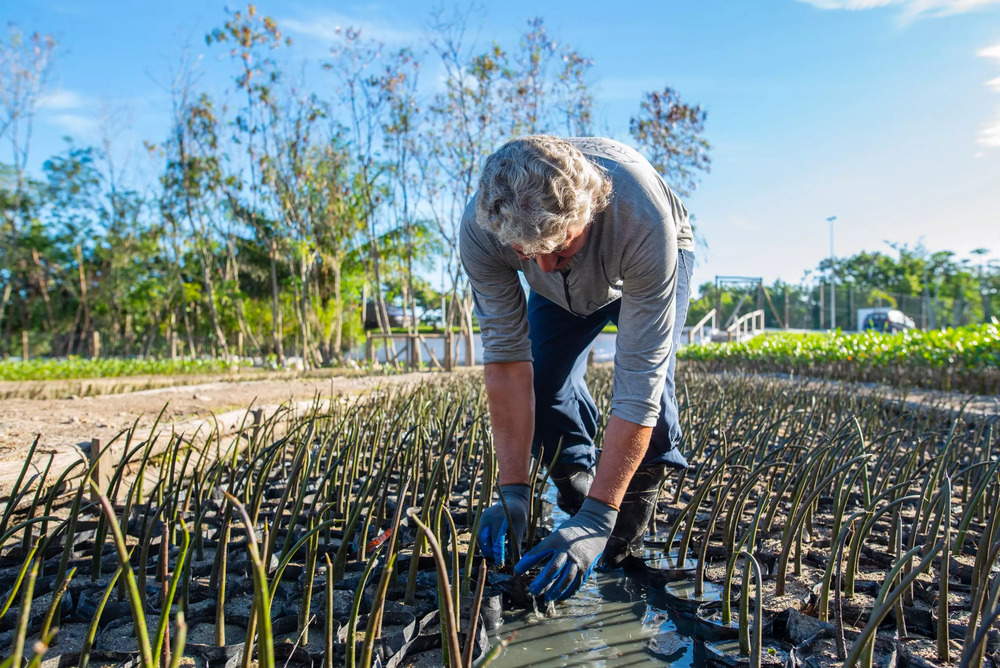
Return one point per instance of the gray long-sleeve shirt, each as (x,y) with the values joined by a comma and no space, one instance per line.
(630,254)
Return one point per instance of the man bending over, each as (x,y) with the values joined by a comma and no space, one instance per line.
(599,238)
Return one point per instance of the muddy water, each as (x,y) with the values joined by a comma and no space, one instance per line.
(610,622)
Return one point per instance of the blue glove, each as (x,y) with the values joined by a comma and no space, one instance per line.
(572,550)
(493,524)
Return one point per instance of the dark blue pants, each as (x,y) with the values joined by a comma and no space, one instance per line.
(564,407)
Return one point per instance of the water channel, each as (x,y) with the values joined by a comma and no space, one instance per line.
(604,349)
(612,621)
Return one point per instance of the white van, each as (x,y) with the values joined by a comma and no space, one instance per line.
(884,320)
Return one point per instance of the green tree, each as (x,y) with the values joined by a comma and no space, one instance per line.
(74,210)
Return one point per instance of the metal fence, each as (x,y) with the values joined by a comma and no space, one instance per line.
(796,307)
(812,309)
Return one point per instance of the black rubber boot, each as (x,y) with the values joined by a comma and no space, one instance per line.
(573,484)
(637,510)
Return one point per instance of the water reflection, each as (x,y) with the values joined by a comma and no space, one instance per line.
(604,349)
(608,623)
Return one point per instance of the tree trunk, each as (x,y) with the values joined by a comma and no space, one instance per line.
(233,269)
(151,334)
(129,335)
(213,312)
(71,337)
(4,299)
(337,324)
(188,334)
(43,289)
(300,337)
(958,316)
(84,303)
(308,356)
(470,341)
(276,327)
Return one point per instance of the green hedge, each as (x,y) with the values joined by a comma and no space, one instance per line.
(78,367)
(962,358)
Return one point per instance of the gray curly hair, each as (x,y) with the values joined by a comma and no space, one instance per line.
(537,190)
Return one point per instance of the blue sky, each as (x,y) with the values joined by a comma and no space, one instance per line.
(883,113)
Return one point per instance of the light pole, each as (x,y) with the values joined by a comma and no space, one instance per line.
(833,293)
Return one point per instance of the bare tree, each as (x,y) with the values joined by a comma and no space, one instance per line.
(290,171)
(670,132)
(251,37)
(574,101)
(399,85)
(193,185)
(25,63)
(355,64)
(466,124)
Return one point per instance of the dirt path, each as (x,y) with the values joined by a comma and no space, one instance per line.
(67,423)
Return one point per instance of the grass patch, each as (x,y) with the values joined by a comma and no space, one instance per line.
(66,368)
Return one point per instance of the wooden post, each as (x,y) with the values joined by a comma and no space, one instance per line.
(129,335)
(364,305)
(470,342)
(448,354)
(100,465)
(24,345)
(95,346)
(239,343)
(369,348)
(258,416)
(822,307)
(718,301)
(172,336)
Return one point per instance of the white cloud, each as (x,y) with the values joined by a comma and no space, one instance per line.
(851,4)
(990,52)
(75,125)
(330,26)
(61,99)
(911,8)
(989,136)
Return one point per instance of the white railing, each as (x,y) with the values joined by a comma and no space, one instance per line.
(746,326)
(697,333)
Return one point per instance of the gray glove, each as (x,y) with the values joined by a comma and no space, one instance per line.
(572,550)
(493,524)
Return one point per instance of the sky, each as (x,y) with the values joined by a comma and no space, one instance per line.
(884,114)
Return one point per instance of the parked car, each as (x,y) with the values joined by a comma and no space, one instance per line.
(398,316)
(889,320)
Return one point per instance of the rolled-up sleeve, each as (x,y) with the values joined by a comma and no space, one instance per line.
(498,297)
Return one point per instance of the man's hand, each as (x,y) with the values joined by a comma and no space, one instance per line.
(493,525)
(572,551)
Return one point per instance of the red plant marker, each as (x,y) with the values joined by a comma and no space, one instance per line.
(378,540)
